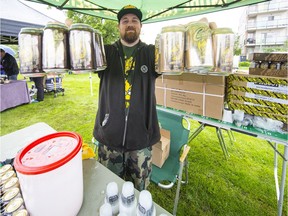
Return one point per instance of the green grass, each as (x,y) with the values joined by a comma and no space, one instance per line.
(75,111)
(241,185)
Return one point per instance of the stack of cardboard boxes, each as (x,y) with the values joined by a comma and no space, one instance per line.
(269,64)
(192,93)
(264,96)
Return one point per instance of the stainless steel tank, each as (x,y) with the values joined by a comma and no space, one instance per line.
(30,52)
(171,50)
(198,47)
(100,57)
(223,40)
(55,48)
(82,52)
(157,54)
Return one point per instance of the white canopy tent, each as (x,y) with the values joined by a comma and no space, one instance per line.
(15,15)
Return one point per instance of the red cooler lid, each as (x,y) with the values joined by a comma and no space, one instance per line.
(48,153)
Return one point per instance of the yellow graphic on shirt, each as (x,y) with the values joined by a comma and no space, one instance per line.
(127,93)
(129,67)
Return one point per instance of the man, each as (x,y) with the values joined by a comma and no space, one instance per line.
(39,84)
(9,65)
(126,124)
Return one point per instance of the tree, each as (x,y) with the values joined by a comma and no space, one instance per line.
(236,48)
(108,28)
(283,48)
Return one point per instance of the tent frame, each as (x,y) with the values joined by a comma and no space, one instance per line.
(94,8)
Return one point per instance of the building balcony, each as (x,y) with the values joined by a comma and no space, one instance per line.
(271,41)
(262,25)
(250,41)
(267,7)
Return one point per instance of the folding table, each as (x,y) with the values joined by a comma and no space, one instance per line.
(273,139)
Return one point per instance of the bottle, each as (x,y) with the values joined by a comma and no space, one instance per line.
(106,210)
(145,205)
(128,201)
(253,64)
(264,65)
(112,197)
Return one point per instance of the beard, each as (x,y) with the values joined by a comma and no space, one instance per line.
(129,36)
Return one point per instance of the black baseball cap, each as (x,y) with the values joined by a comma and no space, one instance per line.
(129,9)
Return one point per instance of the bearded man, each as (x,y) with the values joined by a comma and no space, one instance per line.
(126,124)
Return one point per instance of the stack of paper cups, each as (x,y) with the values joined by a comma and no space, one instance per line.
(227,116)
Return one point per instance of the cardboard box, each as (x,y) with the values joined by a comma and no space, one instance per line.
(186,81)
(260,83)
(214,107)
(160,97)
(160,151)
(281,57)
(246,96)
(193,93)
(261,111)
(268,72)
(160,81)
(259,95)
(257,86)
(187,101)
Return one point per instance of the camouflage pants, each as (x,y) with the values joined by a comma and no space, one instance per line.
(134,166)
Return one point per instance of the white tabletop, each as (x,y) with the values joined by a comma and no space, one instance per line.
(95,175)
(11,143)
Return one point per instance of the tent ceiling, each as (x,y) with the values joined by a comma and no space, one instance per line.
(10,30)
(153,11)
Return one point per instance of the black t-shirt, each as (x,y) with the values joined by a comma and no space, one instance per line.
(10,65)
(128,71)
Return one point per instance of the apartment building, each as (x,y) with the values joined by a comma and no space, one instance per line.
(264,26)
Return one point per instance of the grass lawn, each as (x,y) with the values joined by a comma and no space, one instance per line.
(242,185)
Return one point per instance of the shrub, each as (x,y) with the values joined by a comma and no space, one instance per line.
(244,64)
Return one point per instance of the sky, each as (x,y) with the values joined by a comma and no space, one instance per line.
(226,18)
(48,11)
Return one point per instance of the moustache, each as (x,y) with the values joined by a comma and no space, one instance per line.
(130,28)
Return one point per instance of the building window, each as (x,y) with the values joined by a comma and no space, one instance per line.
(263,38)
(270,18)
